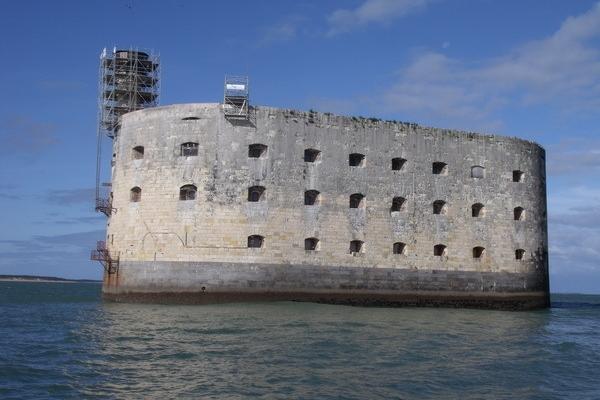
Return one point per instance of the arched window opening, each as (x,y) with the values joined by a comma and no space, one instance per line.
(311,244)
(399,248)
(518,176)
(256,193)
(477,172)
(478,252)
(256,241)
(439,250)
(257,150)
(356,247)
(187,192)
(356,160)
(190,119)
(189,149)
(398,163)
(519,254)
(519,213)
(397,204)
(477,210)
(440,168)
(357,200)
(138,152)
(312,198)
(312,155)
(440,207)
(135,194)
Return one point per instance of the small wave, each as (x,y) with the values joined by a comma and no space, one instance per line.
(569,304)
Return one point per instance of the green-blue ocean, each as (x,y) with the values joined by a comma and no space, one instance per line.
(60,340)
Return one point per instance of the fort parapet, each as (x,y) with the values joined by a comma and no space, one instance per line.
(309,206)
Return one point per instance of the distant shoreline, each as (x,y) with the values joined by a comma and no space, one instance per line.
(43,279)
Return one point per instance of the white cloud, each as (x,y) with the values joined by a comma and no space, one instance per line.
(285,30)
(436,87)
(371,11)
(570,200)
(574,229)
(22,136)
(562,70)
(578,157)
(562,64)
(573,249)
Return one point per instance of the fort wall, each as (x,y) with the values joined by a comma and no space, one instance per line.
(200,247)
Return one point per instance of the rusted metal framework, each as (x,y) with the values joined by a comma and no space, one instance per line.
(129,81)
(109,260)
(236,98)
(104,205)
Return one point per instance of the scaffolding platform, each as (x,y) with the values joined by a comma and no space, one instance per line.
(236,98)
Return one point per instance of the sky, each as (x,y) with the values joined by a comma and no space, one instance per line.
(525,68)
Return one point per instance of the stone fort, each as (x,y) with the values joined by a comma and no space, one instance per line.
(309,206)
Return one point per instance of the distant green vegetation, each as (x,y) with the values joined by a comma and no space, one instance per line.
(34,278)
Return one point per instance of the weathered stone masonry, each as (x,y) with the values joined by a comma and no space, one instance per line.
(424,216)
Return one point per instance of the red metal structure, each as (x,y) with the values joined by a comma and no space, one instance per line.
(110,261)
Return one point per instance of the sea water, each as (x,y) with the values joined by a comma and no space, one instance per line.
(59,340)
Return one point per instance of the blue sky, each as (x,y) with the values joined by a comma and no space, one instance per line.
(522,68)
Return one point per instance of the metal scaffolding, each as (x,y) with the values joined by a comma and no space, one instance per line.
(129,80)
(236,97)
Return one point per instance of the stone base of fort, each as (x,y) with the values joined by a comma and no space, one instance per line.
(209,283)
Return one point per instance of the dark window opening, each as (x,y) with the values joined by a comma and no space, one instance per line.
(189,149)
(397,204)
(439,207)
(187,192)
(190,119)
(399,248)
(138,152)
(135,194)
(356,246)
(257,150)
(311,155)
(518,176)
(478,252)
(311,244)
(519,213)
(356,160)
(398,163)
(312,198)
(477,210)
(357,200)
(256,193)
(519,254)
(439,250)
(255,241)
(477,172)
(440,168)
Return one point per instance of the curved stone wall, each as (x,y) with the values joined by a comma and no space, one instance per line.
(437,178)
